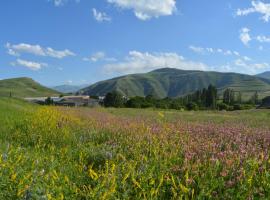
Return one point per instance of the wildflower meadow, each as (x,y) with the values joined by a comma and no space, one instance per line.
(83,153)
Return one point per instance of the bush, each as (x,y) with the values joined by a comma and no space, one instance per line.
(192,106)
(222,106)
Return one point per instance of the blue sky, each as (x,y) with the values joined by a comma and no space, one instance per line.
(84,41)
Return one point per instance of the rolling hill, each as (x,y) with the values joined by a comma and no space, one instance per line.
(24,87)
(264,75)
(174,82)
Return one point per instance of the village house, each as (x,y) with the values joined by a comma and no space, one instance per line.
(72,101)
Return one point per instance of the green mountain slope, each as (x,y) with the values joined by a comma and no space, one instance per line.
(24,87)
(264,75)
(174,82)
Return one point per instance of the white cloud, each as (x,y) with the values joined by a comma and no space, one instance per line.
(247,67)
(18,49)
(29,64)
(262,38)
(197,49)
(99,56)
(245,36)
(137,62)
(257,7)
(147,9)
(236,53)
(100,16)
(25,48)
(61,2)
(202,50)
(58,54)
(69,82)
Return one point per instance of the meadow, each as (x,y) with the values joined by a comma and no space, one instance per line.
(83,153)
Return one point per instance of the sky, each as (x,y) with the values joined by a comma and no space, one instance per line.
(79,42)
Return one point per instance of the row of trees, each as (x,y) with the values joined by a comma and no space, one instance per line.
(204,99)
(231,97)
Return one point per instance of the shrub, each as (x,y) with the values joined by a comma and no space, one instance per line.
(192,106)
(222,106)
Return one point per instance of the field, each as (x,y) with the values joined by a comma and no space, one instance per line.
(81,153)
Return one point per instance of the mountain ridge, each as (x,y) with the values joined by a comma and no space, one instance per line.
(264,75)
(173,82)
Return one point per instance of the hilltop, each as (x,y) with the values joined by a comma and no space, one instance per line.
(175,82)
(264,75)
(24,87)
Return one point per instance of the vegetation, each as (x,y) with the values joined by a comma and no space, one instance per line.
(173,83)
(80,153)
(205,99)
(24,87)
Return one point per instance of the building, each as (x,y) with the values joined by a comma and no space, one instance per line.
(71,101)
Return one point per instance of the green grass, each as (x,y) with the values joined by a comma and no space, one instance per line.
(83,153)
(24,87)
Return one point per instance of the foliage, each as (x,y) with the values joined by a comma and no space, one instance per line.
(114,99)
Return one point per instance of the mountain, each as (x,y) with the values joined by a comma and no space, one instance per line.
(175,82)
(68,88)
(264,75)
(24,87)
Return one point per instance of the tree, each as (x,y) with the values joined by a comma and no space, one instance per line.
(211,97)
(49,101)
(228,96)
(114,99)
(239,98)
(135,102)
(255,98)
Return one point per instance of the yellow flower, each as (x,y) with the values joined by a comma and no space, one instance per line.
(13,177)
(92,174)
(161,114)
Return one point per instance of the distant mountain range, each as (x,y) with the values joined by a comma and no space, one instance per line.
(264,75)
(166,82)
(69,88)
(24,87)
(175,82)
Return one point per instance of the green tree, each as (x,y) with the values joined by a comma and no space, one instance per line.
(228,96)
(255,98)
(211,97)
(114,99)
(239,98)
(49,101)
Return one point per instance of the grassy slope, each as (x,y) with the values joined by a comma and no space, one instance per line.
(24,87)
(173,82)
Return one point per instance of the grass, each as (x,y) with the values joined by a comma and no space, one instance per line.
(81,153)
(24,87)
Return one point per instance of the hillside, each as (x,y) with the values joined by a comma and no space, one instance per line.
(264,75)
(174,82)
(24,87)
